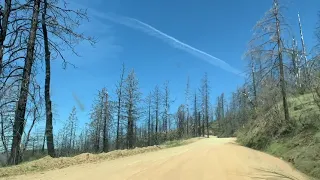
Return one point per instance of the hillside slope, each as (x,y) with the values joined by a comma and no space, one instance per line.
(297,141)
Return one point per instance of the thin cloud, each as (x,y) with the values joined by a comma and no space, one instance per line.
(150,30)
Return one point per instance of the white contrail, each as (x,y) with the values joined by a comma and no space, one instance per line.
(136,24)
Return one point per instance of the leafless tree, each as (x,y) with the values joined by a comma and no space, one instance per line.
(268,41)
(19,121)
(132,98)
(187,99)
(197,123)
(166,103)
(119,106)
(205,102)
(149,121)
(156,106)
(22,41)
(4,15)
(72,126)
(49,125)
(306,68)
(181,121)
(107,109)
(66,138)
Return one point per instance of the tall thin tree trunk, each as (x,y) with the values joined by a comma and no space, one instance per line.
(222,106)
(187,106)
(282,78)
(49,126)
(304,55)
(118,123)
(19,121)
(207,112)
(296,63)
(187,124)
(43,142)
(71,138)
(3,137)
(157,120)
(149,121)
(254,83)
(199,124)
(207,121)
(105,130)
(130,138)
(97,136)
(165,120)
(3,30)
(119,92)
(203,120)
(195,115)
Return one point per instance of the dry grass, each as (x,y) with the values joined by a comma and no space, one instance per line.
(48,163)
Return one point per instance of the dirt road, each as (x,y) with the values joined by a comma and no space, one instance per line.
(212,158)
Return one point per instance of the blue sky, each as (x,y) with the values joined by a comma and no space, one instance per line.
(220,28)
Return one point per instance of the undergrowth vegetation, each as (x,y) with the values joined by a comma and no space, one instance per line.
(296,141)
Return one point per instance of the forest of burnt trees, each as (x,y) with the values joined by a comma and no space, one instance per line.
(131,120)
(280,67)
(34,32)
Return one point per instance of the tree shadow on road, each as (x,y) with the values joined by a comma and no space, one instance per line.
(268,174)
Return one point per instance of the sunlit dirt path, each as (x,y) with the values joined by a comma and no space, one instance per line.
(209,158)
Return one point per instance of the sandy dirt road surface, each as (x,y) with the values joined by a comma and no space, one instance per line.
(209,158)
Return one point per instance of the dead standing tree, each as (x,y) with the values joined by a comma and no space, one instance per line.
(132,98)
(58,23)
(119,105)
(19,121)
(268,40)
(106,120)
(156,105)
(197,130)
(4,14)
(49,126)
(149,104)
(187,99)
(205,102)
(166,104)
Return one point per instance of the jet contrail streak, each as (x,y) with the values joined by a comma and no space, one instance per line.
(144,27)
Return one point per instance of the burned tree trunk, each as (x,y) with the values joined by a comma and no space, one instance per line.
(199,124)
(132,99)
(281,69)
(156,96)
(49,126)
(3,29)
(149,120)
(19,121)
(195,126)
(105,124)
(119,93)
